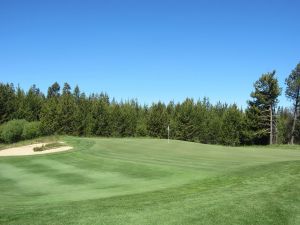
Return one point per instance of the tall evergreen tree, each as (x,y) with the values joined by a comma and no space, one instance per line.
(81,114)
(285,120)
(76,93)
(66,109)
(127,119)
(232,126)
(8,105)
(100,117)
(34,102)
(202,116)
(293,93)
(214,123)
(49,112)
(141,126)
(54,90)
(20,103)
(66,89)
(158,120)
(185,120)
(261,108)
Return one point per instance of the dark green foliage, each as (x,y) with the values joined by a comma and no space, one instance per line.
(72,112)
(66,109)
(185,120)
(34,101)
(232,126)
(16,130)
(202,117)
(76,93)
(266,90)
(261,107)
(293,93)
(28,105)
(124,119)
(284,125)
(12,131)
(7,102)
(293,84)
(158,121)
(31,130)
(141,124)
(53,91)
(49,116)
(100,118)
(214,123)
(256,126)
(81,114)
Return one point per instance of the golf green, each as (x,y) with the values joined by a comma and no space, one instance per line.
(150,181)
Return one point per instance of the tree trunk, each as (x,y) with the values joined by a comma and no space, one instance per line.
(295,117)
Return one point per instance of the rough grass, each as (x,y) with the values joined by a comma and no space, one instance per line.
(48,146)
(148,181)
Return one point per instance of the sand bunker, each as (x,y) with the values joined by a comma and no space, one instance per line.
(28,150)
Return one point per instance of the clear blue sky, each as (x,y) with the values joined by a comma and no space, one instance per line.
(150,50)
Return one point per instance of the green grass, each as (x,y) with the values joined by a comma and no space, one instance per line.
(148,181)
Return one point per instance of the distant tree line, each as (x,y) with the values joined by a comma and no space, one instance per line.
(66,111)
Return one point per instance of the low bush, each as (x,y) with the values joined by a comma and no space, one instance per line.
(31,130)
(16,130)
(11,131)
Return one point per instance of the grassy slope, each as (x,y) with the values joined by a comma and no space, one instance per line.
(147,181)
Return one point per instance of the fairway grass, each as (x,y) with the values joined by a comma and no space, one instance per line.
(148,181)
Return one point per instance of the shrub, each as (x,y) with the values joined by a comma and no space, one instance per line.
(48,146)
(31,130)
(39,149)
(12,131)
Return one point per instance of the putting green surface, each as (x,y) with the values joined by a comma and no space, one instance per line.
(148,181)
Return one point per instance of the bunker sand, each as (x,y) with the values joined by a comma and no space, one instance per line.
(28,150)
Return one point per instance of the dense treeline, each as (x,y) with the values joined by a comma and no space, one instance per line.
(67,111)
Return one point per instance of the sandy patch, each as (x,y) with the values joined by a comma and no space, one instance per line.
(28,150)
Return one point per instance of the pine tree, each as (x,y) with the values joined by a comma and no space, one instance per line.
(49,113)
(284,125)
(76,93)
(49,116)
(66,109)
(293,93)
(214,123)
(53,91)
(20,102)
(185,121)
(158,120)
(261,108)
(8,105)
(232,126)
(100,117)
(202,116)
(34,101)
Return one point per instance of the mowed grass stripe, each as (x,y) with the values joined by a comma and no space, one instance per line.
(212,200)
(148,181)
(213,159)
